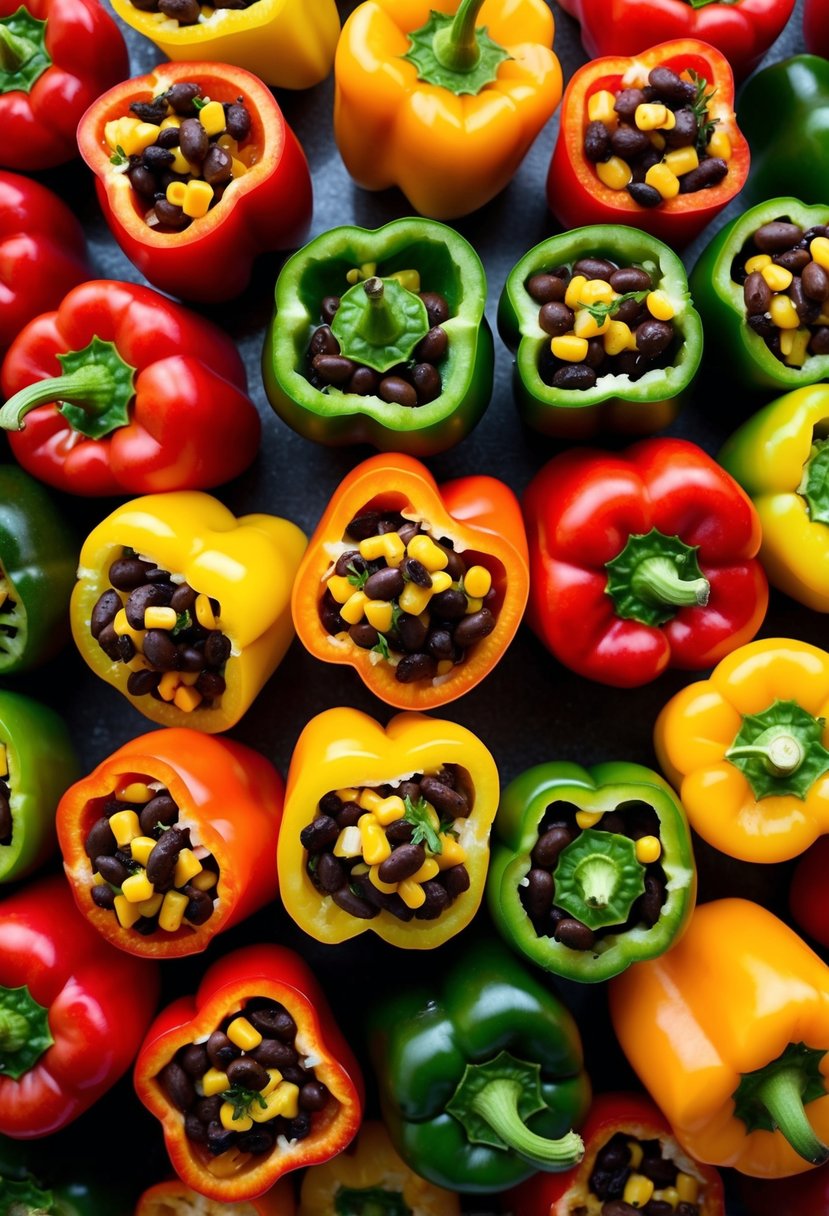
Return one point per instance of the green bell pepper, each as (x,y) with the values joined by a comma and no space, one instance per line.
(23,1191)
(560,858)
(737,350)
(480,1082)
(381,327)
(615,402)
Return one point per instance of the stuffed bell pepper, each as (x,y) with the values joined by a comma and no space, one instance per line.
(177,1199)
(251,1077)
(604,330)
(184,608)
(380,337)
(420,588)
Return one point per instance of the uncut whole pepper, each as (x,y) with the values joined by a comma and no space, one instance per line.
(130,393)
(176,1199)
(816,27)
(786,1196)
(31,1187)
(807,892)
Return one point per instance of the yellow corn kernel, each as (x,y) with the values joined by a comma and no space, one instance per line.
(340,588)
(238,168)
(477,582)
(667,1195)
(348,795)
(212,117)
(588,819)
(445,666)
(205,881)
(243,1124)
(430,555)
(349,843)
(659,305)
(719,144)
(214,1082)
(353,608)
(758,262)
(179,164)
(274,1077)
(379,614)
(123,628)
(682,160)
(441,581)
(617,338)
(198,198)
(388,888)
(112,133)
(657,140)
(376,847)
(614,173)
(4,762)
(778,278)
(186,699)
(687,1188)
(189,677)
(390,546)
(204,612)
(227,1164)
(228,143)
(597,291)
(141,847)
(414,599)
(135,791)
(159,618)
(175,194)
(638,1190)
(389,810)
(819,249)
(569,348)
(98,880)
(187,866)
(662,179)
(452,852)
(243,1034)
(585,325)
(411,893)
(797,344)
(138,663)
(149,907)
(600,107)
(137,136)
(653,116)
(284,1100)
(172,120)
(126,912)
(167,685)
(636,1153)
(426,872)
(172,911)
(125,827)
(572,294)
(783,313)
(648,849)
(473,604)
(369,800)
(249,155)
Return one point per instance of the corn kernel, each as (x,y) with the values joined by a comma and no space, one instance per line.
(284,1100)
(388,545)
(663,180)
(249,155)
(175,194)
(168,684)
(187,866)
(719,144)
(123,628)
(135,791)
(657,140)
(141,847)
(179,164)
(172,120)
(758,262)
(617,338)
(477,581)
(244,1034)
(614,173)
(410,279)
(340,587)
(227,1164)
(198,198)
(652,116)
(388,888)
(237,168)
(369,800)
(445,666)
(214,1082)
(98,880)
(139,663)
(638,1190)
(379,614)
(667,1195)
(659,305)
(411,893)
(204,612)
(159,618)
(798,346)
(126,912)
(125,827)
(229,144)
(132,135)
(687,1188)
(473,604)
(375,844)
(596,291)
(172,911)
(569,348)
(588,819)
(585,325)
(353,608)
(441,581)
(682,160)
(189,677)
(427,871)
(783,313)
(243,1124)
(648,849)
(572,294)
(452,852)
(600,107)
(187,699)
(349,842)
(4,761)
(430,555)
(636,1153)
(149,907)
(778,278)
(274,1077)
(819,249)
(348,795)
(205,881)
(414,599)
(212,117)
(389,810)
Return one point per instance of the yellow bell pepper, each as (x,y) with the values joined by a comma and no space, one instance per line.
(747,750)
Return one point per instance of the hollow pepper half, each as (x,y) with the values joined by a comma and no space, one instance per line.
(72,1011)
(205,777)
(729,1032)
(346,749)
(443,98)
(276,974)
(575,193)
(246,565)
(600,875)
(130,393)
(478,514)
(616,401)
(176,1199)
(267,208)
(641,561)
(428,257)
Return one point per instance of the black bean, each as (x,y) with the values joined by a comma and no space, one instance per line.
(777,236)
(181,97)
(143,181)
(199,907)
(334,369)
(247,1073)
(645,196)
(169,215)
(321,832)
(364,635)
(274,1022)
(140,683)
(163,857)
(795,260)
(618,1207)
(177,1086)
(556,318)
(661,1171)
(537,895)
(299,1127)
(574,376)
(455,566)
(312,1096)
(355,905)
(709,172)
(572,933)
(221,1051)
(473,627)
(154,111)
(415,667)
(160,649)
(185,12)
(658,1207)
(168,138)
(193,1059)
(188,658)
(349,815)
(217,648)
(397,391)
(183,598)
(671,88)
(237,121)
(402,862)
(649,905)
(150,595)
(456,880)
(684,131)
(549,845)
(365,382)
(272,1054)
(411,631)
(194,1129)
(210,684)
(546,287)
(687,1209)
(328,308)
(626,102)
(628,143)
(103,896)
(157,160)
(111,869)
(815,282)
(439,644)
(818,344)
(361,527)
(330,874)
(449,605)
(217,166)
(427,383)
(444,798)
(256,1140)
(756,294)
(596,149)
(810,234)
(432,347)
(207,1110)
(614,1155)
(630,278)
(331,803)
(107,607)
(436,901)
(385,584)
(652,337)
(437,308)
(415,572)
(322,342)
(219,1140)
(401,831)
(807,310)
(762,325)
(99,838)
(127,573)
(126,648)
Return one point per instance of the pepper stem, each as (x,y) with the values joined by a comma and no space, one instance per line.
(597,877)
(782,754)
(456,46)
(657,581)
(14,1031)
(781,1093)
(14,51)
(497,1103)
(24,1031)
(89,388)
(380,324)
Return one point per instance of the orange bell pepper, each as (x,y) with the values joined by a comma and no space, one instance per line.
(173,1198)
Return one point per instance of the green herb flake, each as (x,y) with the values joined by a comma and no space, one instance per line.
(183,621)
(705,125)
(357,578)
(381,647)
(600,310)
(242,1099)
(119,157)
(419,816)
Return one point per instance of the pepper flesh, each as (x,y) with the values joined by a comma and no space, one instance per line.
(816,28)
(176,1199)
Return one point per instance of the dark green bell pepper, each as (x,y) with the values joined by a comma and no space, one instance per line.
(445,263)
(23,1191)
(737,351)
(615,402)
(480,1083)
(597,877)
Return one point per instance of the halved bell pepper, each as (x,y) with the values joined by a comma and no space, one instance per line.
(747,750)
(615,402)
(729,1033)
(478,515)
(176,1199)
(640,885)
(413,255)
(246,566)
(443,98)
(344,749)
(204,776)
(816,27)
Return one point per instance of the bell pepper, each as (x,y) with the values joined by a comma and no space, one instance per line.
(786,1196)
(728,1032)
(246,566)
(816,27)
(369,1179)
(266,208)
(641,561)
(130,394)
(575,193)
(807,893)
(747,750)
(614,1131)
(29,1186)
(277,975)
(37,570)
(284,42)
(481,1081)
(443,98)
(344,749)
(478,515)
(203,776)
(379,332)
(72,1011)
(616,401)
(176,1199)
(628,871)
(735,349)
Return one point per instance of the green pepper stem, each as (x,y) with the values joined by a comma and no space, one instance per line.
(782,1095)
(456,46)
(598,878)
(14,1031)
(14,50)
(90,387)
(497,1103)
(657,581)
(379,324)
(782,754)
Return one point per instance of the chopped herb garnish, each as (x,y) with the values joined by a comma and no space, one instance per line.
(183,621)
(381,647)
(119,156)
(602,309)
(357,578)
(200,102)
(242,1099)
(419,815)
(705,125)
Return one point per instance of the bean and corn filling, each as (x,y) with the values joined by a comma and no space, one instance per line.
(11,614)
(657,141)
(167,633)
(408,598)
(187,12)
(784,272)
(147,868)
(245,1089)
(180,152)
(603,320)
(6,817)
(633,1177)
(392,847)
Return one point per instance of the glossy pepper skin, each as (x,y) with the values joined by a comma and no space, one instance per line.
(602,788)
(478,513)
(618,403)
(268,208)
(575,195)
(627,1113)
(286,43)
(807,893)
(279,975)
(594,516)
(247,564)
(182,421)
(735,349)
(784,111)
(342,748)
(752,807)
(205,776)
(816,27)
(682,1021)
(446,263)
(176,1199)
(787,1196)
(427,1042)
(448,153)
(28,1185)
(80,993)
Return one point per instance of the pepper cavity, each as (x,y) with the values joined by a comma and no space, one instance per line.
(11,617)
(188,12)
(633,1177)
(6,817)
(392,847)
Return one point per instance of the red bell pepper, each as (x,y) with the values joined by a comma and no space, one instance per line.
(642,560)
(130,394)
(816,27)
(176,1199)
(72,1011)
(804,1195)
(267,208)
(235,1175)
(807,894)
(56,56)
